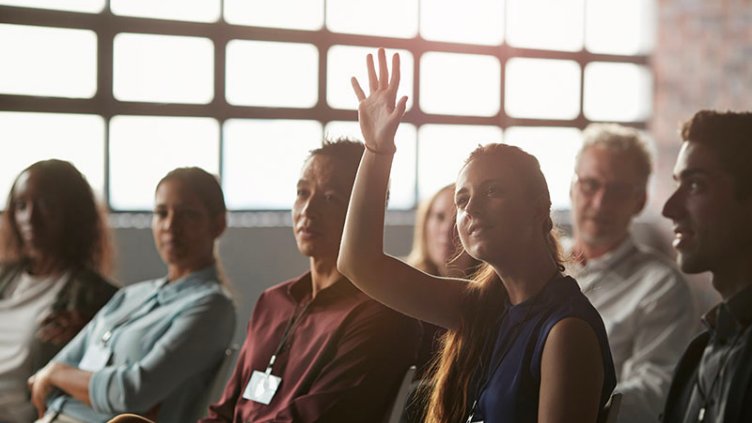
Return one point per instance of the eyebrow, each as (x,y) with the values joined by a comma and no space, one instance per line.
(688,173)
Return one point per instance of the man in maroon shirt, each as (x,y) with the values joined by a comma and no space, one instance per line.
(318,349)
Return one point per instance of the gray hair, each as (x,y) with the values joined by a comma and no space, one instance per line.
(619,139)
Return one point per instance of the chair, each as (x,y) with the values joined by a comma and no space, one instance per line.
(398,405)
(217,384)
(223,374)
(611,410)
(129,418)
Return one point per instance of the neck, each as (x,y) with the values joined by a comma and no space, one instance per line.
(178,271)
(589,251)
(324,273)
(527,274)
(734,278)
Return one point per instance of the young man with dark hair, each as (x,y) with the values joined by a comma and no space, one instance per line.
(712,214)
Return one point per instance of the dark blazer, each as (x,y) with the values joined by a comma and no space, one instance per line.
(738,404)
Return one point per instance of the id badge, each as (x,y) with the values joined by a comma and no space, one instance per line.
(262,387)
(95,358)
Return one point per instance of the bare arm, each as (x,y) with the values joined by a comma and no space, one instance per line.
(571,374)
(361,256)
(74,381)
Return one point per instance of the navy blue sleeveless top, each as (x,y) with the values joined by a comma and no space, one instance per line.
(511,391)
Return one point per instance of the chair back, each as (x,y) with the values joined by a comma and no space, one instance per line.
(398,405)
(217,384)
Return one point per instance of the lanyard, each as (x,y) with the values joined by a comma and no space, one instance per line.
(136,313)
(291,325)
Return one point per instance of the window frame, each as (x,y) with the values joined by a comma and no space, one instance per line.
(106,25)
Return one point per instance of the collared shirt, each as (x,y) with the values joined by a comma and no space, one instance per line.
(728,323)
(166,341)
(648,311)
(343,361)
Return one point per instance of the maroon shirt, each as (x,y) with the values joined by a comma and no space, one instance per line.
(343,360)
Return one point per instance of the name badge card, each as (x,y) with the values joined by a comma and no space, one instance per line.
(95,358)
(262,387)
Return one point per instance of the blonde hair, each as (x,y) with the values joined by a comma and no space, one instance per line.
(418,256)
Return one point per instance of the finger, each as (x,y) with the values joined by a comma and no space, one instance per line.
(394,81)
(383,71)
(373,81)
(399,109)
(358,91)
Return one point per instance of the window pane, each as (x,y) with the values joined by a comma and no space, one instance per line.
(470,21)
(460,84)
(373,17)
(620,27)
(162,68)
(402,178)
(542,88)
(181,10)
(442,151)
(546,24)
(555,149)
(344,62)
(262,161)
(309,14)
(86,6)
(144,148)
(78,139)
(617,92)
(51,62)
(272,74)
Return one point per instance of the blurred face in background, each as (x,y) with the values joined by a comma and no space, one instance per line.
(607,192)
(39,227)
(184,231)
(440,229)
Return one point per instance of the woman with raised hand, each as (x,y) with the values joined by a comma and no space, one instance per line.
(524,344)
(153,349)
(54,250)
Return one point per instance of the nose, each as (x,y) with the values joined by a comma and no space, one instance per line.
(673,208)
(311,206)
(473,206)
(170,222)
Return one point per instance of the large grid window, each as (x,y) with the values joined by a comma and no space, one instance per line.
(128,89)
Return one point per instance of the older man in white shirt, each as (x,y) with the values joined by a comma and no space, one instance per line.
(645,303)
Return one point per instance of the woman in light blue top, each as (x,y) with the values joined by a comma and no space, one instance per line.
(154,347)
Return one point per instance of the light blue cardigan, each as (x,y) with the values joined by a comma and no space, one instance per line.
(165,357)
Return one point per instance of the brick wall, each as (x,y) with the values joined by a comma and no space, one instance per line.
(702,60)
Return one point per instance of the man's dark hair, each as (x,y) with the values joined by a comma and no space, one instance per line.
(346,151)
(729,134)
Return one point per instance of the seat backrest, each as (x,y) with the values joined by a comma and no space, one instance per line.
(398,405)
(223,374)
(611,410)
(217,384)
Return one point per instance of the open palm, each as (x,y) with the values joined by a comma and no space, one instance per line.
(378,113)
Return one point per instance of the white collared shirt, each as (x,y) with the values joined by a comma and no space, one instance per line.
(650,317)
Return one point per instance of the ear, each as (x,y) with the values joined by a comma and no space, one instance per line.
(642,200)
(219,225)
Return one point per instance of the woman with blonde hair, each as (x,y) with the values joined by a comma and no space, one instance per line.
(524,344)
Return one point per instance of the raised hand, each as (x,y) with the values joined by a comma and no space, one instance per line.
(379,113)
